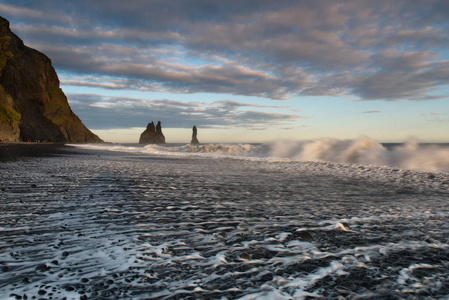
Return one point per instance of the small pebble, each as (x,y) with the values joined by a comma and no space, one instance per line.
(306,236)
(42,267)
(245,256)
(344,226)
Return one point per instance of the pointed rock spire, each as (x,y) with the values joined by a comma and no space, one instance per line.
(194,138)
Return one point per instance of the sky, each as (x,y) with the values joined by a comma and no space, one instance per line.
(247,70)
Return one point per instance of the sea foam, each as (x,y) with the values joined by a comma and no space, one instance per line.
(361,151)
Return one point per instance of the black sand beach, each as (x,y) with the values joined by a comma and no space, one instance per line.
(17,151)
(91,224)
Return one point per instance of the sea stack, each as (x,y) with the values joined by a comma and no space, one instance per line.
(153,134)
(32,106)
(194,138)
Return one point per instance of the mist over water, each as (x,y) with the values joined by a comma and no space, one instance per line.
(363,151)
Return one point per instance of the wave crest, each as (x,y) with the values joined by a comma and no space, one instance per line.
(363,151)
(247,150)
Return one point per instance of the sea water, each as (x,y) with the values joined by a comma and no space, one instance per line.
(283,220)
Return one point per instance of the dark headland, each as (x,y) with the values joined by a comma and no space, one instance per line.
(33,108)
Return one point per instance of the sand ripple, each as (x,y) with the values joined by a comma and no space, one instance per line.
(137,227)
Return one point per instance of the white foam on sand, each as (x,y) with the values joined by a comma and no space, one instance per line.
(125,226)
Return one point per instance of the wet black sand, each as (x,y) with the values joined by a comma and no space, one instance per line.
(113,226)
(19,151)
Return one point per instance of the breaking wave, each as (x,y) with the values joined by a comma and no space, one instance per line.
(365,151)
(362,151)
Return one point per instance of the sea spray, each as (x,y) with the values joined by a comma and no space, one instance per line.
(361,151)
(415,156)
(365,151)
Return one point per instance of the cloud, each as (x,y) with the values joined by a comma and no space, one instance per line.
(437,117)
(103,112)
(177,78)
(416,84)
(30,13)
(306,34)
(232,105)
(365,50)
(57,34)
(372,112)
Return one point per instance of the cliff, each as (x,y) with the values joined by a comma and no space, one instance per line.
(152,135)
(32,106)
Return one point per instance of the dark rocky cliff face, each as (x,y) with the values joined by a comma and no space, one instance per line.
(32,106)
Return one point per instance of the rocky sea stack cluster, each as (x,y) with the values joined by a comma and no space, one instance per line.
(32,106)
(153,134)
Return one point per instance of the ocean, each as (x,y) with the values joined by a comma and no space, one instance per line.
(326,219)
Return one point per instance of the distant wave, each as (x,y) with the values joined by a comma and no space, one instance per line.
(244,150)
(363,151)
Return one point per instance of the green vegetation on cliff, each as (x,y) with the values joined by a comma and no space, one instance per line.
(4,54)
(8,115)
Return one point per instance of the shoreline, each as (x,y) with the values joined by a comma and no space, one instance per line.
(13,151)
